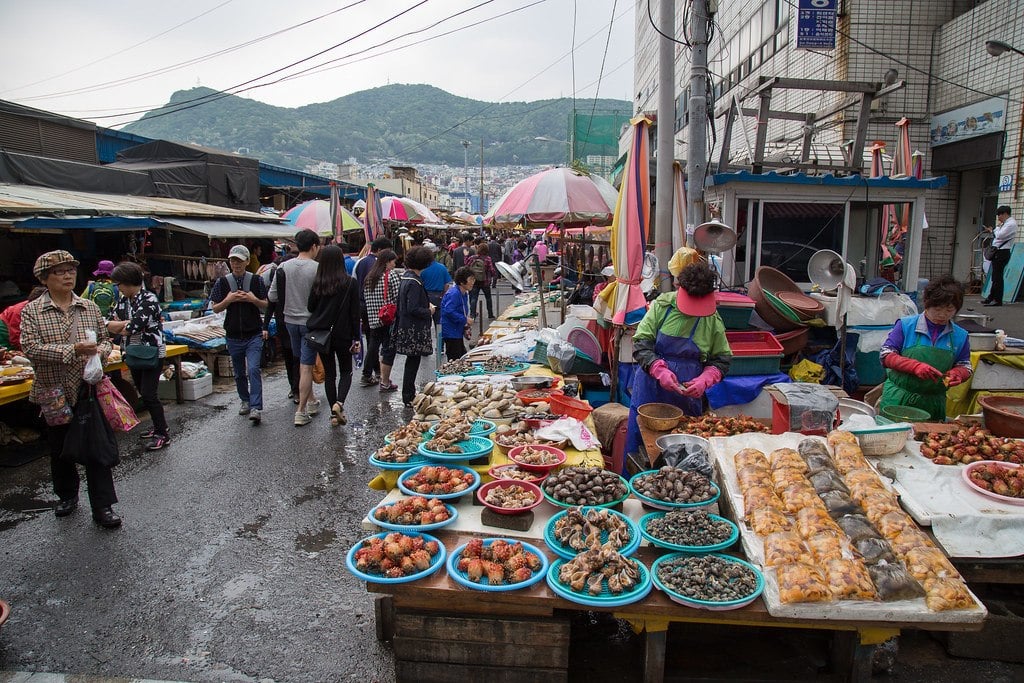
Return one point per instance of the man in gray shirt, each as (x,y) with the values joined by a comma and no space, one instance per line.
(299,274)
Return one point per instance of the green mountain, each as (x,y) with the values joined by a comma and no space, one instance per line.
(393,123)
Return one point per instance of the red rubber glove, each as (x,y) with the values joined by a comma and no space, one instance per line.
(696,387)
(957,375)
(666,378)
(913,367)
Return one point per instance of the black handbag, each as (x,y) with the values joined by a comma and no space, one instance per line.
(90,439)
(990,252)
(142,357)
(320,340)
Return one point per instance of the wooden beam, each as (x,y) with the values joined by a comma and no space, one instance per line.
(787,115)
(819,84)
(762,130)
(857,160)
(723,155)
(808,138)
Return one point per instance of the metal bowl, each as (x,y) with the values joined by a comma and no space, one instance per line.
(849,407)
(525,383)
(669,440)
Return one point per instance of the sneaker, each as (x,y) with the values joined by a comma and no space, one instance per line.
(148,434)
(367,381)
(291,393)
(159,441)
(302,419)
(388,387)
(338,414)
(313,406)
(244,409)
(255,415)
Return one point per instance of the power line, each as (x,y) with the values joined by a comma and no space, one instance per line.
(189,62)
(121,51)
(600,75)
(572,62)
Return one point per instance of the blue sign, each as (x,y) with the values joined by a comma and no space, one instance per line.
(1006,182)
(816,25)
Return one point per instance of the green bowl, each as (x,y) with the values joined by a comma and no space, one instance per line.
(905,414)
(782,307)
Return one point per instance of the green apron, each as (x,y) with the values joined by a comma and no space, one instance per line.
(902,389)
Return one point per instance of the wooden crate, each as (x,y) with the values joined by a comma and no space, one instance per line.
(439,647)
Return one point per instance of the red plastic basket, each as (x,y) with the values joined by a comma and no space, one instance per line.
(570,407)
(753,343)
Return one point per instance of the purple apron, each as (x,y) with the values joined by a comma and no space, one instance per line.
(682,356)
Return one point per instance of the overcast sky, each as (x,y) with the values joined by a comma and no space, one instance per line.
(59,54)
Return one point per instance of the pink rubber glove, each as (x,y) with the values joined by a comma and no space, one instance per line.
(666,378)
(957,375)
(696,387)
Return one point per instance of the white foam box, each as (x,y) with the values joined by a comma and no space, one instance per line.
(192,389)
(996,376)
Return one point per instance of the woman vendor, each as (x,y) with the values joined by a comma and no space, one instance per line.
(681,347)
(927,353)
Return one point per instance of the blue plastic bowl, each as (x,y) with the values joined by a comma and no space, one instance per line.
(442,496)
(453,514)
(436,562)
(568,553)
(707,604)
(668,505)
(605,598)
(688,549)
(473,447)
(462,578)
(480,427)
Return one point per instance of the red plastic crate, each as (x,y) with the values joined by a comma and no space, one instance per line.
(753,344)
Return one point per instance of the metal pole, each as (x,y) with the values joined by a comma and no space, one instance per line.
(665,135)
(481,207)
(697,152)
(465,171)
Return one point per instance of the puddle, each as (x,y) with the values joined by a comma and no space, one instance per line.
(252,530)
(315,542)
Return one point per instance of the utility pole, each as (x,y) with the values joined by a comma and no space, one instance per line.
(697,150)
(465,171)
(481,207)
(666,137)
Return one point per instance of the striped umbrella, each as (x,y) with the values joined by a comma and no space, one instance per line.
(373,222)
(622,302)
(405,210)
(558,195)
(889,257)
(902,166)
(316,215)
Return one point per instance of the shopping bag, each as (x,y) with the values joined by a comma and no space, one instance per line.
(90,439)
(115,408)
(319,375)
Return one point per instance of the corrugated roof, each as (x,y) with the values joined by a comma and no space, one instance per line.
(908,183)
(17,201)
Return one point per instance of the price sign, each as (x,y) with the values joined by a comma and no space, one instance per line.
(816,25)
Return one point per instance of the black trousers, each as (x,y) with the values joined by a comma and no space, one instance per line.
(65,474)
(999,261)
(412,368)
(146,381)
(454,348)
(337,364)
(474,298)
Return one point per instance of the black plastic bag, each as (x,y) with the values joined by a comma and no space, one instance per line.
(90,439)
(686,456)
(829,359)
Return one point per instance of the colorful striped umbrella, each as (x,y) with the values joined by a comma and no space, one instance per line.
(557,195)
(316,215)
(622,302)
(902,166)
(405,210)
(889,257)
(373,222)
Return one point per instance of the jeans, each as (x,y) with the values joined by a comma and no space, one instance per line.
(300,347)
(65,474)
(379,349)
(245,357)
(146,382)
(474,298)
(412,368)
(342,367)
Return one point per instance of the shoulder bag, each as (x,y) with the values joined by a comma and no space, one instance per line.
(320,340)
(389,311)
(141,356)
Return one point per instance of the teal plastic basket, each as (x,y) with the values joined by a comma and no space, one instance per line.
(735,318)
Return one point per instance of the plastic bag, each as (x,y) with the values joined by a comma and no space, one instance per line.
(828,480)
(750,456)
(753,476)
(809,447)
(892,524)
(115,408)
(910,540)
(785,477)
(817,463)
(929,563)
(90,439)
(811,521)
(850,580)
(319,375)
(849,457)
(875,550)
(807,371)
(839,503)
(857,527)
(691,457)
(767,520)
(812,407)
(758,497)
(795,497)
(786,457)
(93,370)
(893,582)
(802,583)
(829,545)
(785,547)
(945,594)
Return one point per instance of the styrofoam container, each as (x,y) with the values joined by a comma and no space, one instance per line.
(982,341)
(192,389)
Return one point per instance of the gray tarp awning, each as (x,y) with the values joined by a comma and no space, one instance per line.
(230,229)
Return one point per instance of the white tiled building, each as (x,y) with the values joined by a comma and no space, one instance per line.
(944,38)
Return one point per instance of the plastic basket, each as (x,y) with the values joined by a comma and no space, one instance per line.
(754,365)
(754,353)
(735,318)
(540,353)
(570,407)
(905,414)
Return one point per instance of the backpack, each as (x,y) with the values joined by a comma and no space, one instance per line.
(246,282)
(103,294)
(478,265)
(444,257)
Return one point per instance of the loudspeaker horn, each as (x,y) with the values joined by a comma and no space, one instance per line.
(714,237)
(827,269)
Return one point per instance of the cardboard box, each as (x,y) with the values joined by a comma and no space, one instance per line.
(224,366)
(781,417)
(192,389)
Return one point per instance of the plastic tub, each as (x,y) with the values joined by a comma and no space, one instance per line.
(754,353)
(481,495)
(775,281)
(904,414)
(1004,415)
(557,453)
(734,309)
(793,341)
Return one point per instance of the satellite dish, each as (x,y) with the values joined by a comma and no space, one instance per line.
(515,273)
(827,269)
(648,272)
(714,237)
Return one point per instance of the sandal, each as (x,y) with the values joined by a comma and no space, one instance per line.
(390,386)
(338,414)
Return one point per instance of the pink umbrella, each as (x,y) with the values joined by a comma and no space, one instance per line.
(373,223)
(622,302)
(557,195)
(405,210)
(316,215)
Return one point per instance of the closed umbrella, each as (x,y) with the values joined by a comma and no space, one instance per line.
(316,215)
(889,257)
(558,195)
(622,302)
(373,223)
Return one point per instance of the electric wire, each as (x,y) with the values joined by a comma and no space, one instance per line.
(600,75)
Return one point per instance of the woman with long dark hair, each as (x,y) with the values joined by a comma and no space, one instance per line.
(412,333)
(334,305)
(379,288)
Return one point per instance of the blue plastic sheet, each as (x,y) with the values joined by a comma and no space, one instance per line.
(743,389)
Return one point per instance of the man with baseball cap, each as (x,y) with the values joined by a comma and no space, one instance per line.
(244,297)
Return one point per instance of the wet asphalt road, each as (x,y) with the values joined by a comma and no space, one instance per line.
(230,563)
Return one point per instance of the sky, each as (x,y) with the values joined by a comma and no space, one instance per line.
(104,60)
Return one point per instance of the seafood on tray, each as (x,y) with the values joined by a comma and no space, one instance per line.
(414,430)
(412,511)
(585,486)
(450,431)
(439,480)
(500,561)
(474,399)
(397,451)
(510,497)
(395,555)
(592,569)
(579,530)
(713,425)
